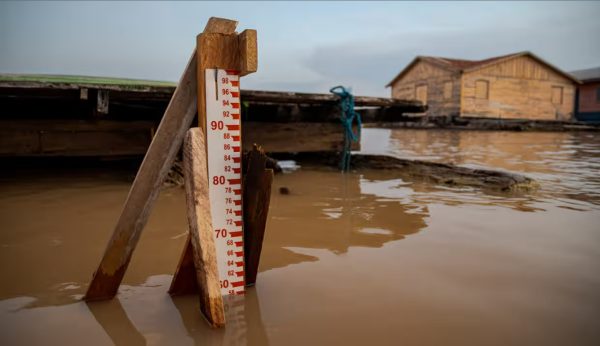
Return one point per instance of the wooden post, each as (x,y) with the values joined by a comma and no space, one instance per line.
(159,158)
(204,253)
(257,196)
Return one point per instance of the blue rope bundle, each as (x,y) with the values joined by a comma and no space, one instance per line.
(348,117)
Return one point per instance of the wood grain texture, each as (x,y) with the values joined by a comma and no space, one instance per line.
(282,97)
(295,137)
(157,162)
(431,81)
(248,52)
(220,26)
(224,50)
(74,138)
(257,196)
(184,280)
(519,88)
(200,227)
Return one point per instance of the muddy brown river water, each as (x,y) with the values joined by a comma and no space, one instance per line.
(350,259)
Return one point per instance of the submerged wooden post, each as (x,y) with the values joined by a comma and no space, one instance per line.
(257,196)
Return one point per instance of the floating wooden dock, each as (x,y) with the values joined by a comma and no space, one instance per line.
(44,115)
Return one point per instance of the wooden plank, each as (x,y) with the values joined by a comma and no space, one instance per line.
(74,138)
(19,143)
(280,97)
(75,125)
(157,162)
(201,235)
(248,51)
(220,51)
(515,97)
(113,138)
(295,137)
(184,281)
(257,196)
(220,26)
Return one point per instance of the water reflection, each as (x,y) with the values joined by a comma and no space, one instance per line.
(566,164)
(243,316)
(113,319)
(329,210)
(139,315)
(453,261)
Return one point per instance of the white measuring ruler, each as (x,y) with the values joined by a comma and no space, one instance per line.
(224,143)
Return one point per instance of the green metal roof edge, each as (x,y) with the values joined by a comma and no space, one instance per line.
(126,83)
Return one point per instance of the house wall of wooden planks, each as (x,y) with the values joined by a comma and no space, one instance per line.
(517,86)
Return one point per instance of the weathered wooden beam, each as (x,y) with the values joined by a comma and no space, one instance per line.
(224,51)
(115,138)
(157,162)
(74,138)
(201,236)
(257,196)
(184,280)
(248,52)
(310,98)
(295,137)
(320,113)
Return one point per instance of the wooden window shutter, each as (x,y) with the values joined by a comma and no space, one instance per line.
(482,89)
(421,93)
(557,95)
(447,90)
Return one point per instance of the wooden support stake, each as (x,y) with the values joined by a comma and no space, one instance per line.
(257,196)
(202,241)
(159,158)
(184,280)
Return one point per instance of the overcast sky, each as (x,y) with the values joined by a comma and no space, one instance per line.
(303,46)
